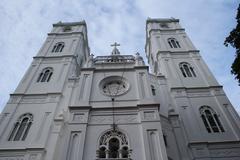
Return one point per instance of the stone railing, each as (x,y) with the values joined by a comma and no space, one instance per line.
(114,59)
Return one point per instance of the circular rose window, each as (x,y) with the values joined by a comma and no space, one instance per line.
(114,86)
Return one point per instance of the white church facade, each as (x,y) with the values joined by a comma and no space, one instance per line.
(71,105)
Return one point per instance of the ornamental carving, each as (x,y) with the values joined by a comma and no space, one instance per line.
(149,115)
(114,86)
(198,93)
(118,119)
(34,99)
(78,117)
(113,133)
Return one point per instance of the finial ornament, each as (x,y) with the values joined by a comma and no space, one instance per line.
(115,50)
(115,44)
(90,61)
(139,60)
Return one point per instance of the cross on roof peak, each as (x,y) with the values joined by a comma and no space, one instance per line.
(115,44)
(115,50)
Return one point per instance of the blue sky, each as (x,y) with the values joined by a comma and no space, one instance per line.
(25,24)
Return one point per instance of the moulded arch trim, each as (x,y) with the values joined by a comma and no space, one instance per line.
(187,69)
(186,63)
(110,138)
(182,63)
(25,115)
(173,42)
(58,47)
(45,74)
(211,119)
(113,137)
(120,130)
(60,43)
(47,68)
(21,127)
(205,107)
(171,38)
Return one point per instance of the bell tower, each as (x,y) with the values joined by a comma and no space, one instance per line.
(62,55)
(35,107)
(171,53)
(199,111)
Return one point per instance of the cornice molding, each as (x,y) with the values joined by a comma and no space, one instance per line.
(61,24)
(159,20)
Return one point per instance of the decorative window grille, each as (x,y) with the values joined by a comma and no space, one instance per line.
(211,120)
(58,47)
(187,70)
(113,144)
(45,75)
(173,43)
(21,128)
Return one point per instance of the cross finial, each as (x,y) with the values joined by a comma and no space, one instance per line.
(115,50)
(115,45)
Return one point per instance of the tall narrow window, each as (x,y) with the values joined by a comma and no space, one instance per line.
(173,43)
(125,152)
(165,139)
(102,152)
(21,128)
(187,70)
(113,144)
(210,120)
(45,75)
(155,69)
(58,47)
(153,90)
(113,148)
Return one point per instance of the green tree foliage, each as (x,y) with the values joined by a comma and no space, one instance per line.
(234,40)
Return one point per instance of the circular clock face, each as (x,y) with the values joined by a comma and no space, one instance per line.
(114,86)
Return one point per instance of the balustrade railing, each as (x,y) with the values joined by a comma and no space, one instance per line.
(114,59)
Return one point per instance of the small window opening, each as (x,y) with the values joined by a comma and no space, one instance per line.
(153,90)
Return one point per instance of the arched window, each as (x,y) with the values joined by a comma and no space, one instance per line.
(113,144)
(102,152)
(187,70)
(45,75)
(153,90)
(173,43)
(21,128)
(58,47)
(210,120)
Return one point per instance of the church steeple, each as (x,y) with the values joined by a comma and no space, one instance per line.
(171,53)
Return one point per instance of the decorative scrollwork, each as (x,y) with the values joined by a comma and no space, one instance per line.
(113,133)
